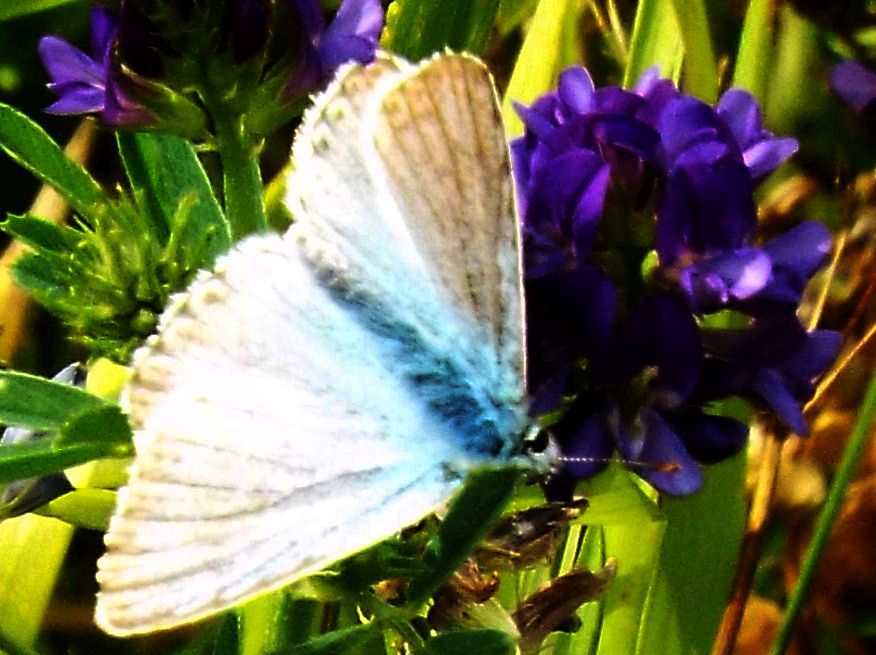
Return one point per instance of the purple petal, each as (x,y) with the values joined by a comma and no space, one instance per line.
(709,439)
(66,63)
(740,111)
(706,208)
(684,122)
(336,50)
(76,98)
(661,333)
(588,211)
(659,457)
(584,434)
(576,89)
(796,255)
(310,14)
(712,283)
(772,388)
(854,83)
(814,358)
(801,249)
(765,157)
(359,18)
(104,24)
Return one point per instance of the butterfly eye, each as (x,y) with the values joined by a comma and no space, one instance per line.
(536,442)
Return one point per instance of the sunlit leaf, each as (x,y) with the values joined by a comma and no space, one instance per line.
(419,28)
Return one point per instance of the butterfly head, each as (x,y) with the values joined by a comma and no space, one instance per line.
(540,450)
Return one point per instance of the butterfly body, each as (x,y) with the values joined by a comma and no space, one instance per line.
(318,391)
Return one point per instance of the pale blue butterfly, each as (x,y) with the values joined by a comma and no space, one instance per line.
(318,391)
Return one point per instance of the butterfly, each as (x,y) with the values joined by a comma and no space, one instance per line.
(318,391)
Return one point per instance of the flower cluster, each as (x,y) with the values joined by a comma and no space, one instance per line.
(639,225)
(114,82)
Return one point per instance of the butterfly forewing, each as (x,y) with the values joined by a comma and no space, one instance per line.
(319,391)
(444,158)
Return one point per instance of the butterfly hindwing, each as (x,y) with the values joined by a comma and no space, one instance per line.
(259,463)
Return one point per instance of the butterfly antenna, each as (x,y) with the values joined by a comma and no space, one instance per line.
(659,467)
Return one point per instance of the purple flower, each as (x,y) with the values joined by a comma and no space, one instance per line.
(757,280)
(86,85)
(638,218)
(774,362)
(855,84)
(351,36)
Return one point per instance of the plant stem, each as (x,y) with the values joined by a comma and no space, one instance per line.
(241,178)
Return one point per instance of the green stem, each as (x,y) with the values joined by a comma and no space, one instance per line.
(238,153)
(701,78)
(241,178)
(828,515)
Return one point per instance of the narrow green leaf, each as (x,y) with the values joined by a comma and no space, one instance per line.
(700,71)
(845,473)
(33,550)
(24,7)
(656,41)
(419,28)
(512,13)
(33,402)
(482,642)
(790,99)
(85,508)
(105,424)
(542,57)
(19,461)
(41,234)
(754,58)
(697,561)
(30,146)
(340,642)
(165,169)
(472,513)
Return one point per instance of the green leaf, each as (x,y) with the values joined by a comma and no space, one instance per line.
(541,57)
(19,461)
(754,57)
(340,642)
(41,234)
(105,424)
(419,28)
(513,13)
(482,642)
(24,7)
(697,561)
(472,513)
(30,146)
(700,71)
(656,41)
(84,508)
(164,170)
(226,639)
(45,274)
(628,525)
(33,402)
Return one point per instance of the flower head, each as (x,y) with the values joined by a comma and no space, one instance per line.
(638,219)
